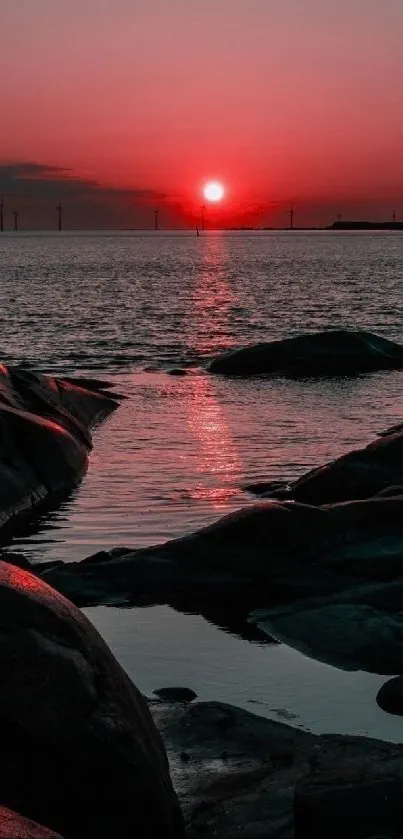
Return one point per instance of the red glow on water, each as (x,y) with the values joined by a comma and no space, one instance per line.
(218,457)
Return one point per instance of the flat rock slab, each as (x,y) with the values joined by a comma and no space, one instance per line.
(330,353)
(236,774)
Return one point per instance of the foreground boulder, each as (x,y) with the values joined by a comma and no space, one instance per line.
(332,353)
(79,750)
(376,469)
(45,425)
(14,826)
(239,775)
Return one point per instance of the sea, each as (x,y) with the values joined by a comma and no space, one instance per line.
(130,307)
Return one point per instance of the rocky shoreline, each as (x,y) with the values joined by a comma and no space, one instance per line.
(316,564)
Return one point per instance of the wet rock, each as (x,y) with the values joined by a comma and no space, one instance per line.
(177,371)
(240,779)
(14,826)
(282,550)
(176,694)
(331,353)
(277,489)
(326,580)
(79,750)
(376,469)
(349,805)
(45,425)
(390,696)
(351,636)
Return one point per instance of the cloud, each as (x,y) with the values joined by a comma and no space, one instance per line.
(35,189)
(28,179)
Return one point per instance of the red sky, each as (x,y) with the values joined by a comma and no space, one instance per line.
(298,100)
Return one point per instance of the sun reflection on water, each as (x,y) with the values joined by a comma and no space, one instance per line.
(218,459)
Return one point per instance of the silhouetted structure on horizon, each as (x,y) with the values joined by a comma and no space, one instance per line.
(292,217)
(156,225)
(367,225)
(59,209)
(15,214)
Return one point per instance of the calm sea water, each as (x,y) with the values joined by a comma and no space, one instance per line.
(129,307)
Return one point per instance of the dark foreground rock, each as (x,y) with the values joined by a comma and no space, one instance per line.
(246,777)
(14,826)
(79,750)
(376,469)
(45,425)
(332,353)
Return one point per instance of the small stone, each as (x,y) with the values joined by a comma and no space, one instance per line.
(176,694)
(185,757)
(390,696)
(177,371)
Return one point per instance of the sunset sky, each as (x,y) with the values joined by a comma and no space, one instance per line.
(119,106)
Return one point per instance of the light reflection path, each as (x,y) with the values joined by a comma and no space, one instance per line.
(210,303)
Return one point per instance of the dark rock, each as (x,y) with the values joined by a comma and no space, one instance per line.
(177,371)
(45,428)
(14,826)
(326,580)
(176,694)
(277,489)
(243,777)
(332,353)
(79,750)
(376,469)
(346,804)
(390,696)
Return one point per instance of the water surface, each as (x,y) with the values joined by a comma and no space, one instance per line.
(129,307)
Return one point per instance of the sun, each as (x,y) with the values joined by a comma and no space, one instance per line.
(213,191)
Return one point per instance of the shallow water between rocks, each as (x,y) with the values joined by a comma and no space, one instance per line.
(128,308)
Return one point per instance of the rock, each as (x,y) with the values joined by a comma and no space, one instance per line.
(390,696)
(176,694)
(79,750)
(14,826)
(177,371)
(351,636)
(281,549)
(45,425)
(241,772)
(349,805)
(326,580)
(376,469)
(331,353)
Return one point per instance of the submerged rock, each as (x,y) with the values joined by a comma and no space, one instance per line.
(332,353)
(45,425)
(79,750)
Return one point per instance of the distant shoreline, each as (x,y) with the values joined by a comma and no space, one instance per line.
(390,226)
